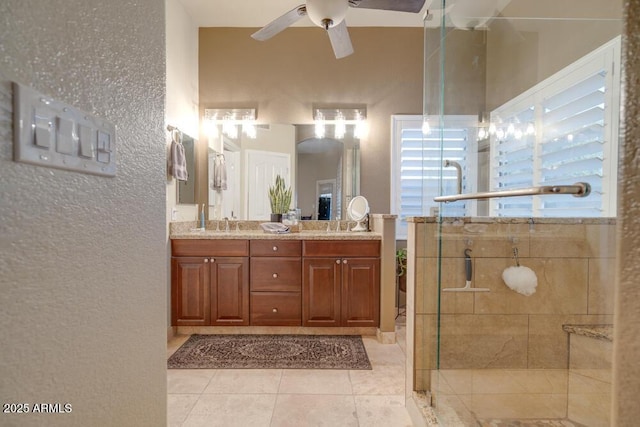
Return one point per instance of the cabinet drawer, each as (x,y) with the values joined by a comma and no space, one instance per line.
(209,247)
(275,248)
(276,309)
(341,248)
(276,274)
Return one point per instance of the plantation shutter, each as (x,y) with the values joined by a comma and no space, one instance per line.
(562,131)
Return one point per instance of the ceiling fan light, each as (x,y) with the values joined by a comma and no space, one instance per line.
(320,11)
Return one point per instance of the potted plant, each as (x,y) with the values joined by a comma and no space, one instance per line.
(280,199)
(401,268)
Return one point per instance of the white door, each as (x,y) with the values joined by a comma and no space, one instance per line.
(231,196)
(262,169)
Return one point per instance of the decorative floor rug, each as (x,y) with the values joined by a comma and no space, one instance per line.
(271,352)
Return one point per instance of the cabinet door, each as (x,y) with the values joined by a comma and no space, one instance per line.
(229,291)
(321,292)
(360,291)
(189,292)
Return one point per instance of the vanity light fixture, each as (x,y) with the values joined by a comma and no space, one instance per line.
(342,120)
(232,120)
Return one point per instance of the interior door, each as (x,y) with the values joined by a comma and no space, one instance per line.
(262,169)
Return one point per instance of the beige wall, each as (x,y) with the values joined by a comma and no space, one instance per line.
(288,74)
(528,51)
(83,257)
(181,108)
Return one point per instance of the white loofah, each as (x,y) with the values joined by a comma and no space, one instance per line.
(520,279)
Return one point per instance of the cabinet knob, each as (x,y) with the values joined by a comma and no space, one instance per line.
(344,261)
(337,261)
(275,310)
(275,275)
(213,260)
(206,260)
(275,248)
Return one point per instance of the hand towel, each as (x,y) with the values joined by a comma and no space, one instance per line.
(220,173)
(178,161)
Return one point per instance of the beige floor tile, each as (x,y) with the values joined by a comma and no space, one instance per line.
(245,381)
(589,401)
(302,410)
(516,405)
(175,344)
(315,381)
(382,411)
(383,354)
(188,380)
(230,410)
(382,379)
(178,408)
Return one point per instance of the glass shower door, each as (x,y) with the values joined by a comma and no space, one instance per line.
(516,305)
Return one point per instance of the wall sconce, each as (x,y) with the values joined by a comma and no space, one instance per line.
(342,119)
(232,121)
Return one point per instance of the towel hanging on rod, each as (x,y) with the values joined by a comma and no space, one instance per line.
(177,160)
(219,173)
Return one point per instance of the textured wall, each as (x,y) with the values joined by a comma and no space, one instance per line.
(82,258)
(626,387)
(286,75)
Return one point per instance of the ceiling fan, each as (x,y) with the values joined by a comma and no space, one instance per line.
(330,14)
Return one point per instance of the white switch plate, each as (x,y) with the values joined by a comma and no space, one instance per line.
(54,134)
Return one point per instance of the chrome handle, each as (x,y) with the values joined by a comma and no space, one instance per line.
(275,310)
(275,248)
(275,275)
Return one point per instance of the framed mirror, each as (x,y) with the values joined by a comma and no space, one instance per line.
(324,173)
(186,190)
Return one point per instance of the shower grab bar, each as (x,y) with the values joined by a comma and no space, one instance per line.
(579,189)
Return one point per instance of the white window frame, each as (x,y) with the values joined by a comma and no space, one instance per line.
(606,57)
(401,122)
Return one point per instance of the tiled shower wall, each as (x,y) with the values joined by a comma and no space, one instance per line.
(574,263)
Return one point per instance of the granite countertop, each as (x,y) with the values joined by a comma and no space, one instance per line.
(313,230)
(602,332)
(259,234)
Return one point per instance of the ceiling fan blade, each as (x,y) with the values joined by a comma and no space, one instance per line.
(414,6)
(281,23)
(340,40)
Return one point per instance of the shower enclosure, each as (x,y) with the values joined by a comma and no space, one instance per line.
(513,304)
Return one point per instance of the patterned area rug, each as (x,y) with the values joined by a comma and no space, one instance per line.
(271,352)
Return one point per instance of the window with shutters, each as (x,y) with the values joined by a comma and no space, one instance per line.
(562,131)
(417,160)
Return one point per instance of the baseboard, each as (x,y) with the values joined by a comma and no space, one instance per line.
(171,332)
(386,337)
(294,330)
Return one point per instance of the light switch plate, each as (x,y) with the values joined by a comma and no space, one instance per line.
(54,134)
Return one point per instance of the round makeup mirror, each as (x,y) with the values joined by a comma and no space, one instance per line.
(358,210)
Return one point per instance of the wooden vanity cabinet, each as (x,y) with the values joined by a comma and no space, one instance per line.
(341,283)
(210,282)
(276,283)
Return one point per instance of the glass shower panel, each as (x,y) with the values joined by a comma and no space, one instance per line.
(516,290)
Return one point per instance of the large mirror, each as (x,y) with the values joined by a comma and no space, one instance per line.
(327,174)
(324,173)
(186,190)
